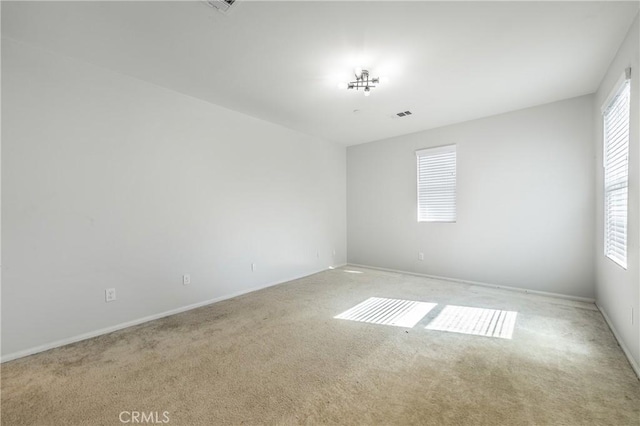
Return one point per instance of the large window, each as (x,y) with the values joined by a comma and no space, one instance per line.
(437,184)
(616,171)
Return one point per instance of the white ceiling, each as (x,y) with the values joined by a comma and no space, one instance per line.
(281,61)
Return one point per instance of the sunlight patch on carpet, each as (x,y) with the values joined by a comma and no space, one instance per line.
(476,321)
(396,312)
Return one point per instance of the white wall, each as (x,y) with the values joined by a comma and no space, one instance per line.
(108,181)
(525,201)
(618,290)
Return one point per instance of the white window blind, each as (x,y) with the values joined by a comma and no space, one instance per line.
(616,172)
(437,184)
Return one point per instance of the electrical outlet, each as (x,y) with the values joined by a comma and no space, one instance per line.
(420,256)
(253,267)
(109,294)
(186,279)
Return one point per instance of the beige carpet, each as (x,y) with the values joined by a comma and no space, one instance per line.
(278,356)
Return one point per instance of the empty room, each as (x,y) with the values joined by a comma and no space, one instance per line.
(256,212)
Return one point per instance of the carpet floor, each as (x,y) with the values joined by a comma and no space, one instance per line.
(475,356)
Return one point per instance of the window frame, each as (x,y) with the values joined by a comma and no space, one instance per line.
(425,152)
(610,247)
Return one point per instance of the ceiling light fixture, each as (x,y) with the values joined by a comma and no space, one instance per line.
(363,81)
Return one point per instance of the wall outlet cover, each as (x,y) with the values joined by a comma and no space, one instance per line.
(110,294)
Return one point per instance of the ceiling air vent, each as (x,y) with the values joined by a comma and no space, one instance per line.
(221,5)
(403,113)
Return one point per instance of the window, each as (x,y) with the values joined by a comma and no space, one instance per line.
(616,171)
(437,184)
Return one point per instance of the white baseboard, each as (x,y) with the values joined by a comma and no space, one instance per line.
(634,364)
(504,287)
(111,329)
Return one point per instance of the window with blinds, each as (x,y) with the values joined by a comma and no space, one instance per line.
(437,184)
(616,172)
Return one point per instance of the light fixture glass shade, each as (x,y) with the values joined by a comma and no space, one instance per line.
(358,72)
(367,91)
